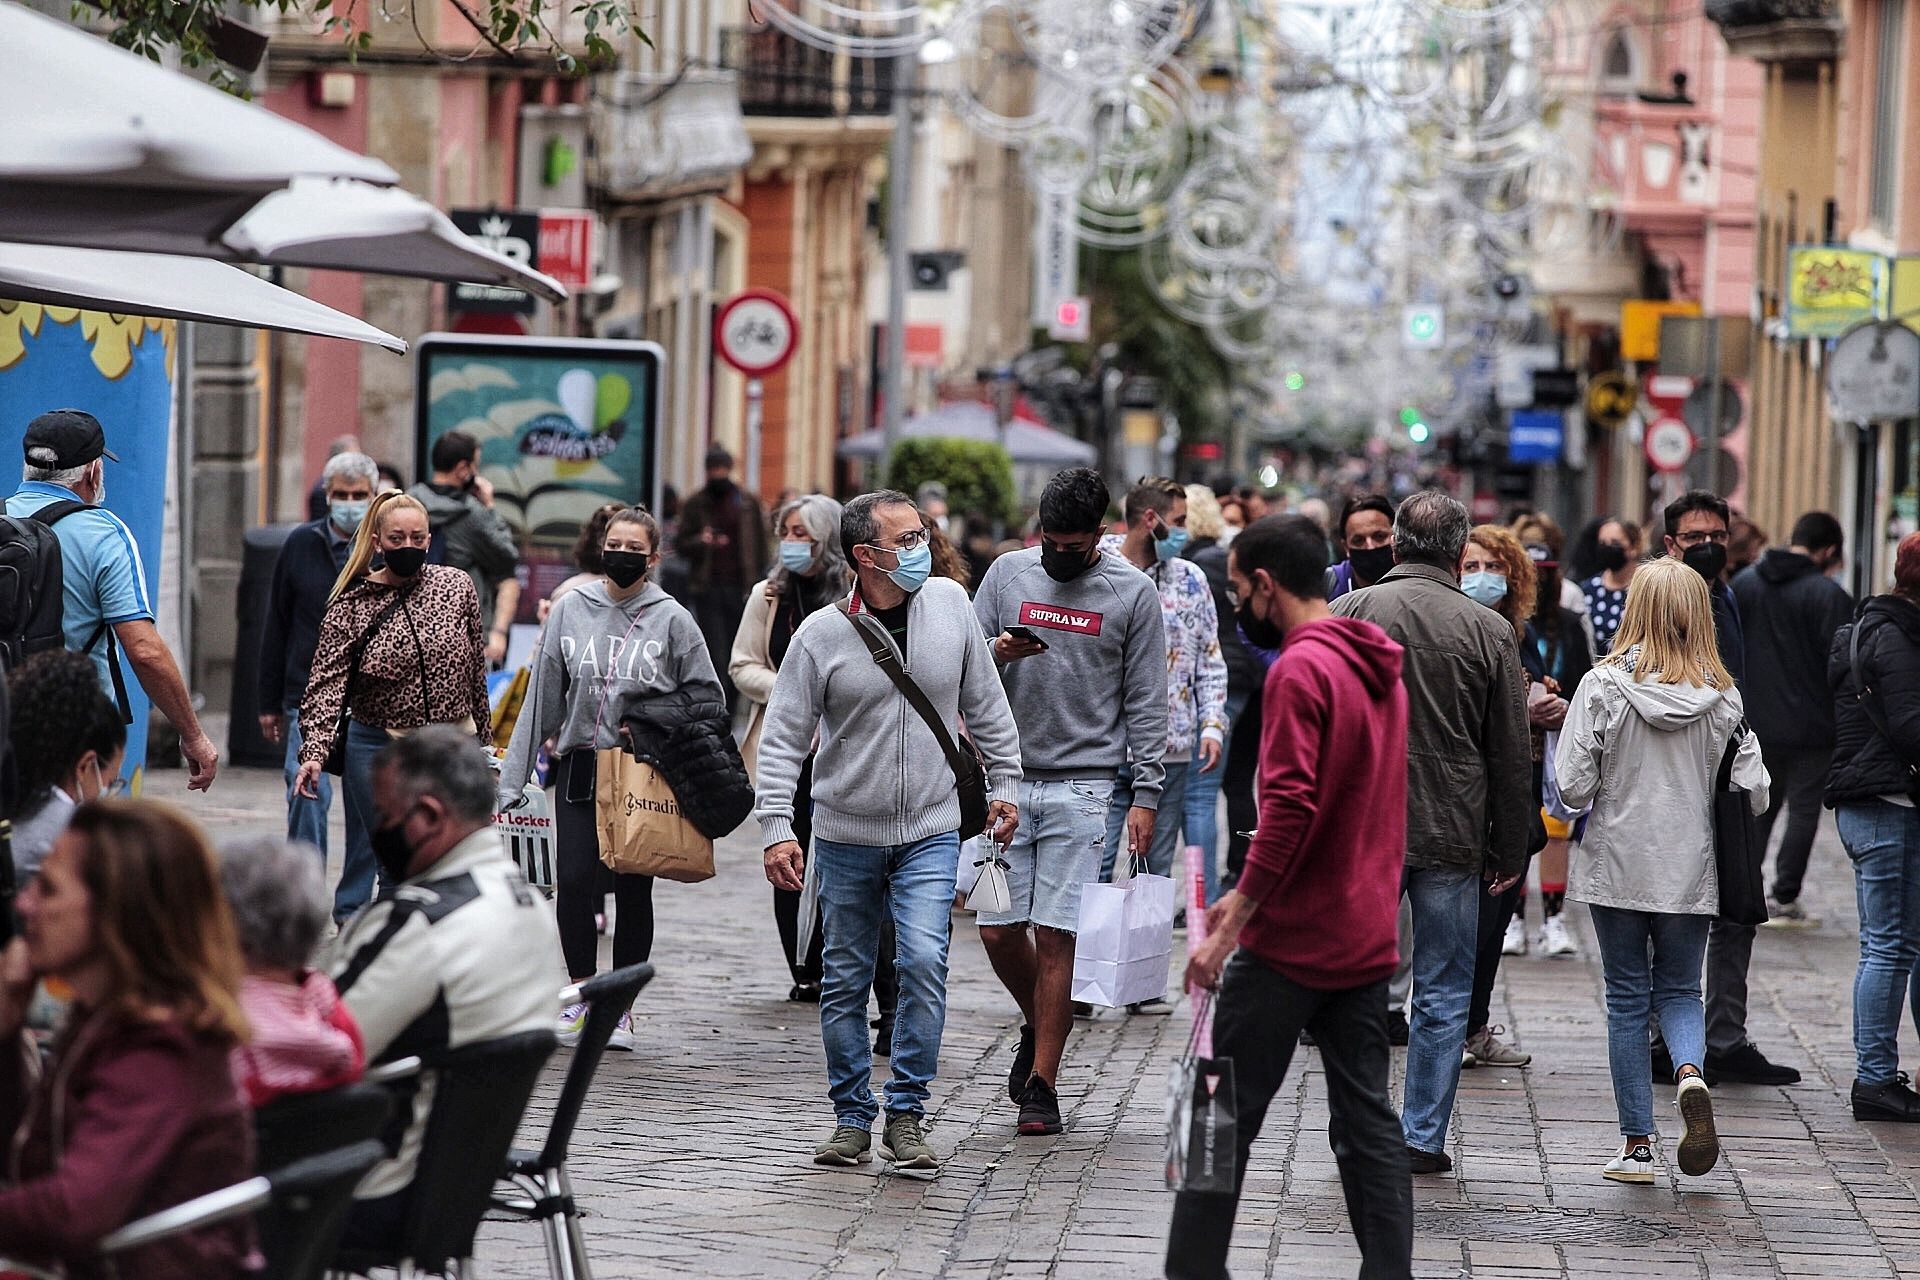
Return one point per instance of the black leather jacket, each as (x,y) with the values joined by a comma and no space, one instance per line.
(1866,762)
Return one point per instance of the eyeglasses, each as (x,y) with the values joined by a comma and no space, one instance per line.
(1697,536)
(907,541)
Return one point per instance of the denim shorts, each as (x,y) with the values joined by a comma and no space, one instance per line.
(1063,832)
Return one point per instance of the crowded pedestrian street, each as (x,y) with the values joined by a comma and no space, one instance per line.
(689,1160)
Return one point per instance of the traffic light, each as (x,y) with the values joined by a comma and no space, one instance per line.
(1295,380)
(1416,426)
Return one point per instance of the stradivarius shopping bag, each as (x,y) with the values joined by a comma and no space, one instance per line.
(1202,1130)
(1125,941)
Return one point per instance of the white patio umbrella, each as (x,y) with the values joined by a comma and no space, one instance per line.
(175,288)
(350,226)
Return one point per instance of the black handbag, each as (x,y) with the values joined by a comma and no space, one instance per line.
(963,757)
(1738,851)
(336,761)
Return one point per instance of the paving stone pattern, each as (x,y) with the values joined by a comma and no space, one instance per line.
(693,1155)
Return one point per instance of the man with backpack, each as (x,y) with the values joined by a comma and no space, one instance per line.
(85,586)
(471,536)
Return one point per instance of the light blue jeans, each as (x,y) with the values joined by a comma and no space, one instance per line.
(1201,814)
(1446,924)
(1166,825)
(1884,842)
(857,883)
(1652,961)
(306,819)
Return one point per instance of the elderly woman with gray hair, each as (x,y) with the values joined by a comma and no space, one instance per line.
(812,574)
(304,1039)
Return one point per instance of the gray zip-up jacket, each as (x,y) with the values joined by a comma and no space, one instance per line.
(879,777)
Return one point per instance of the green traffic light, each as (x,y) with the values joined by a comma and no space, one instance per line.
(1409,416)
(1295,380)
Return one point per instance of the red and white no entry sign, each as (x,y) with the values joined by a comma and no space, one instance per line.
(755,332)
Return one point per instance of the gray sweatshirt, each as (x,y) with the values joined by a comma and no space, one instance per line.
(1101,686)
(879,777)
(595,658)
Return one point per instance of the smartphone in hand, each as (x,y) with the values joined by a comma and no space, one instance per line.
(1025,635)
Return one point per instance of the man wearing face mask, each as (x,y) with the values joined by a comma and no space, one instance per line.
(1083,650)
(303,576)
(886,809)
(723,539)
(1314,913)
(1366,535)
(457,949)
(469,535)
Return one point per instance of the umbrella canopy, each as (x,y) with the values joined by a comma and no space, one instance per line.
(1028,443)
(173,288)
(350,226)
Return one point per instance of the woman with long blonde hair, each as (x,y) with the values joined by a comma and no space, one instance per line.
(137,1109)
(401,646)
(1643,743)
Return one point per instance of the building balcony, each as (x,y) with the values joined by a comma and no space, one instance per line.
(783,78)
(657,136)
(1780,30)
(1656,163)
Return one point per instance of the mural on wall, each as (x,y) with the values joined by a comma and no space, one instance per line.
(120,369)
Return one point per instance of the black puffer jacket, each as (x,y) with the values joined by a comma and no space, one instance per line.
(688,737)
(1865,763)
(1789,611)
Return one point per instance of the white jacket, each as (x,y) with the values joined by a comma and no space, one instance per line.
(1646,755)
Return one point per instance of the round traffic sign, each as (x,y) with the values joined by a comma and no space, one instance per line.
(1610,398)
(1669,444)
(755,332)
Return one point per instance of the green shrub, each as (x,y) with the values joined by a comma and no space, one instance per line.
(978,474)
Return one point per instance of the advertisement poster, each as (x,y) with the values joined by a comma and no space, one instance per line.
(1831,290)
(565,426)
(119,369)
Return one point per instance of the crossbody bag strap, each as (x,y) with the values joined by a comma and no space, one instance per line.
(360,649)
(888,661)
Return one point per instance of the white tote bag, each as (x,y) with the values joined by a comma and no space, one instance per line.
(990,893)
(1125,943)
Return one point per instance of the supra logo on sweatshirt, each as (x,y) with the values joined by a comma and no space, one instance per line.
(1054,618)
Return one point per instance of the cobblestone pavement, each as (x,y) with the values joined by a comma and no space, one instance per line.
(693,1154)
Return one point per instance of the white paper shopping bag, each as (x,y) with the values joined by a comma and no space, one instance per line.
(1125,941)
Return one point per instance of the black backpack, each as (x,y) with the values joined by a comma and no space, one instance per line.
(32,608)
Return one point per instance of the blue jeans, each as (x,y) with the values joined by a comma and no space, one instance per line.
(1166,826)
(356,877)
(1884,842)
(1446,923)
(1201,813)
(1652,962)
(306,819)
(857,883)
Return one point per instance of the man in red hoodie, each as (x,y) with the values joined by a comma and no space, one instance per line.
(1314,912)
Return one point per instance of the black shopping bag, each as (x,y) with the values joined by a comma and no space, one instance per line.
(1202,1133)
(1738,850)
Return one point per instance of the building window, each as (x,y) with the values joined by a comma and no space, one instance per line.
(1883,172)
(1618,74)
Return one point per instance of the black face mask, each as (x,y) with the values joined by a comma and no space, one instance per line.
(1371,565)
(406,562)
(392,851)
(717,486)
(1260,633)
(1613,557)
(1065,566)
(1709,560)
(624,568)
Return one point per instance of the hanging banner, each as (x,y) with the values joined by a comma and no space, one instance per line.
(1831,290)
(119,369)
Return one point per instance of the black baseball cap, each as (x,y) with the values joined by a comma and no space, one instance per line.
(74,436)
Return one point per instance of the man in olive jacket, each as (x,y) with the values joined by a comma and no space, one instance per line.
(1469,789)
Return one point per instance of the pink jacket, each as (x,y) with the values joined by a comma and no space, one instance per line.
(304,1039)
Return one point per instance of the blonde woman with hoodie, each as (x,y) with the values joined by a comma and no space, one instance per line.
(1643,741)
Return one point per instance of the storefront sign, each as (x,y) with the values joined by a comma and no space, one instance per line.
(510,233)
(1830,290)
(1640,326)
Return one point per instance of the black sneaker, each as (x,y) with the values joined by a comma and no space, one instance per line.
(1022,1066)
(1746,1065)
(804,993)
(1039,1108)
(1396,1028)
(1306,1039)
(1081,1009)
(883,1040)
(1893,1100)
(1429,1161)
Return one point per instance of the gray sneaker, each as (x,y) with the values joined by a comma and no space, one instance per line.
(906,1146)
(847,1147)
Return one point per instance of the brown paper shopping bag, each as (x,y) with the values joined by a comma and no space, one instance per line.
(642,831)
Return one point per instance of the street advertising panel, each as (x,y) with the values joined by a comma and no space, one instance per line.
(565,426)
(1831,290)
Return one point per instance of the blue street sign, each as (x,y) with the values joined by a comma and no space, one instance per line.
(1536,435)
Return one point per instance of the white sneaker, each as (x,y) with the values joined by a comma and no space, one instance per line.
(1634,1164)
(1486,1049)
(1699,1140)
(622,1037)
(1789,915)
(1516,941)
(1555,940)
(573,1019)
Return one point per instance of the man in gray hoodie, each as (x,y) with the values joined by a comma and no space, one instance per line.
(886,812)
(470,535)
(1095,685)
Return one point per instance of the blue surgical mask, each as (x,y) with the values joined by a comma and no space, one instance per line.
(347,516)
(1488,589)
(796,557)
(1170,547)
(915,564)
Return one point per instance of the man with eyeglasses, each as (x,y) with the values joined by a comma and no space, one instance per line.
(1083,654)
(1699,525)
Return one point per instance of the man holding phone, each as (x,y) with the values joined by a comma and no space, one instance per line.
(1086,674)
